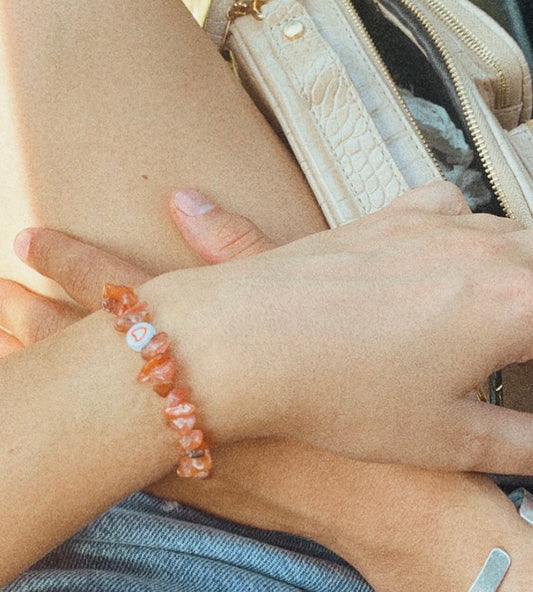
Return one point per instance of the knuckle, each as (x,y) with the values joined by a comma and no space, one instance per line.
(394,223)
(473,447)
(451,190)
(512,286)
(77,276)
(517,287)
(476,246)
(236,236)
(44,249)
(39,320)
(45,318)
(452,198)
(515,297)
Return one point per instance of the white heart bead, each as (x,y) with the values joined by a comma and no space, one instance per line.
(139,335)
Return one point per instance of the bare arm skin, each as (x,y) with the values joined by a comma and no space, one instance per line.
(400,526)
(79,165)
(107,109)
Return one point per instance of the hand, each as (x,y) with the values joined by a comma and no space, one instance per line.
(365,340)
(452,504)
(417,285)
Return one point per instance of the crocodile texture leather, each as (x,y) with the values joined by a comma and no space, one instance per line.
(343,120)
(496,87)
(522,139)
(329,94)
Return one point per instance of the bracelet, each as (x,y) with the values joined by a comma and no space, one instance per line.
(159,369)
(492,573)
(523,500)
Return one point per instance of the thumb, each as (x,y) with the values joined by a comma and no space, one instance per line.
(215,234)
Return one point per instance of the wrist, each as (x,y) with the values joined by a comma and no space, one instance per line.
(434,531)
(214,339)
(80,434)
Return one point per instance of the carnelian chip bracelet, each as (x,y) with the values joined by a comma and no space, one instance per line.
(159,370)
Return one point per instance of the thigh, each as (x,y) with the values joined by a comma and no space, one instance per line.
(107,108)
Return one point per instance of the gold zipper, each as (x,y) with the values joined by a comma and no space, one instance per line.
(387,75)
(466,106)
(254,7)
(481,50)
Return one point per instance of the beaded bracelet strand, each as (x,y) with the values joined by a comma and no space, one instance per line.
(159,369)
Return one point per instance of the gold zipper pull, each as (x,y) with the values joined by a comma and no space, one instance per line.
(238,9)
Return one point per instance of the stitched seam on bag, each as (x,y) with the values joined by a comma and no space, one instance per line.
(379,148)
(355,104)
(396,107)
(271,103)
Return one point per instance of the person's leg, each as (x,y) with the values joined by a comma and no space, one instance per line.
(107,108)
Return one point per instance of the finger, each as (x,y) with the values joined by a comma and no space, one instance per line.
(79,268)
(32,317)
(440,197)
(492,439)
(447,199)
(215,234)
(9,344)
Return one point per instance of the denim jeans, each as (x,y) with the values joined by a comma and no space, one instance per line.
(148,545)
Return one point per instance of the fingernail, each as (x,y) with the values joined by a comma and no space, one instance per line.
(192,202)
(21,244)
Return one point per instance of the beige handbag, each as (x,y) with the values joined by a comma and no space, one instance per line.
(325,72)
(314,69)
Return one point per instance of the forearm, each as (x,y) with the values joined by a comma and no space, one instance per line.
(73,442)
(79,433)
(417,530)
(403,528)
(107,109)
(249,380)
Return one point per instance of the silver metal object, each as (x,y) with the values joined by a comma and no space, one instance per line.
(492,573)
(523,500)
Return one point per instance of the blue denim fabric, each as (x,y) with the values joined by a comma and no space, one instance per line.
(148,545)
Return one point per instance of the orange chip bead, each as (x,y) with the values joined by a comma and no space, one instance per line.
(159,344)
(183,425)
(192,441)
(161,369)
(177,395)
(117,299)
(138,313)
(163,388)
(198,467)
(180,410)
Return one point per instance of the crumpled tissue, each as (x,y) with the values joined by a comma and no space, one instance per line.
(448,144)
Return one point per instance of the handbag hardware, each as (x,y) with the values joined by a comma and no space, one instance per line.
(479,48)
(424,22)
(254,8)
(500,136)
(307,151)
(241,8)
